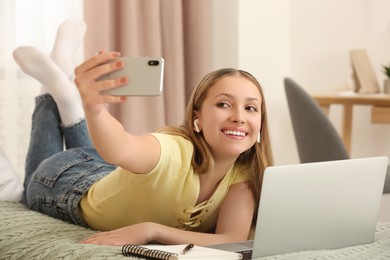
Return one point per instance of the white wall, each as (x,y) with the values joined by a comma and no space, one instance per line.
(308,40)
(264,50)
(225,33)
(322,33)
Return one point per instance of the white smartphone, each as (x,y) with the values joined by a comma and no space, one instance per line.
(145,76)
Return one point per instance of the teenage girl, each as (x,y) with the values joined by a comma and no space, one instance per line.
(196,183)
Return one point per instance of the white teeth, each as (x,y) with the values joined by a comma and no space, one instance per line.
(237,133)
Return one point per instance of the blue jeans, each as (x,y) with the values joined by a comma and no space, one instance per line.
(57,178)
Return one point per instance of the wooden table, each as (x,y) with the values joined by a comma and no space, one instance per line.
(380,111)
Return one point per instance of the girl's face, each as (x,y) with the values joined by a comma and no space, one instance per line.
(230,116)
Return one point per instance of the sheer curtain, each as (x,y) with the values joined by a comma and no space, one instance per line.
(25,22)
(177,30)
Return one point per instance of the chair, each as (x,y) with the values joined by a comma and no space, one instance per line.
(315,136)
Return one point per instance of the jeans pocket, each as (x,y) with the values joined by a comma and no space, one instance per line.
(49,171)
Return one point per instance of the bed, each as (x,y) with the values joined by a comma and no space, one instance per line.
(26,234)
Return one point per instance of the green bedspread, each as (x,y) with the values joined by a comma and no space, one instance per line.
(26,234)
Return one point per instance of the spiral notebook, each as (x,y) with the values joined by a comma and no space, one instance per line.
(175,252)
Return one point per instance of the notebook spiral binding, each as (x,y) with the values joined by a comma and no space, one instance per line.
(142,252)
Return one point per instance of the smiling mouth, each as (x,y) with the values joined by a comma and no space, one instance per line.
(234,133)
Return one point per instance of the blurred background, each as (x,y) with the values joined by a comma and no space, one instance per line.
(307,40)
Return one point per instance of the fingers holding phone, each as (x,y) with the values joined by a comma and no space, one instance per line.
(144,74)
(94,68)
(88,72)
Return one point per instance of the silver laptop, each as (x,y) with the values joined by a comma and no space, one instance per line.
(322,205)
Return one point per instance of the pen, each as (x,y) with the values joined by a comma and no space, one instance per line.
(187,248)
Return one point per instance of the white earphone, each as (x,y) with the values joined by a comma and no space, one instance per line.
(196,126)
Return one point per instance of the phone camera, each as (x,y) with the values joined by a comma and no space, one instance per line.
(153,63)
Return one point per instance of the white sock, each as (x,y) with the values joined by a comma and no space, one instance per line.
(54,81)
(69,37)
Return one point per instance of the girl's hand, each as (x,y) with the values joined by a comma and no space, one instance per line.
(138,234)
(110,138)
(86,76)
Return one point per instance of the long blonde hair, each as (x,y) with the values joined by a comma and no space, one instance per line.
(254,160)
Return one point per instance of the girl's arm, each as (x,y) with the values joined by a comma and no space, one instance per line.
(234,223)
(137,154)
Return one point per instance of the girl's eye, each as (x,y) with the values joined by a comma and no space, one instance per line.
(252,108)
(222,104)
